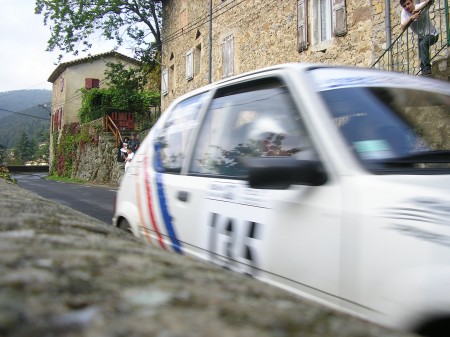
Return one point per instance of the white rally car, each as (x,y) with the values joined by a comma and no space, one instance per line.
(330,182)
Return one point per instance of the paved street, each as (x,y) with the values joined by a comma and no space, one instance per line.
(95,201)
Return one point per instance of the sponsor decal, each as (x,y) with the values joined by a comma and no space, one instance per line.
(419,217)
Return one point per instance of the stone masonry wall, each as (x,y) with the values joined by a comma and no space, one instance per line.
(66,274)
(98,163)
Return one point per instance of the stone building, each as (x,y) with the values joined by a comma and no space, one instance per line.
(69,77)
(246,35)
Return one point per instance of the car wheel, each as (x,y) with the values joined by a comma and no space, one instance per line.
(124,225)
(437,328)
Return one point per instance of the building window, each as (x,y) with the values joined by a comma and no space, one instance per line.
(324,16)
(61,84)
(329,19)
(190,65)
(227,56)
(164,82)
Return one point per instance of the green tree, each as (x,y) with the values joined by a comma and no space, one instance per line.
(127,91)
(72,23)
(2,154)
(42,145)
(124,78)
(25,149)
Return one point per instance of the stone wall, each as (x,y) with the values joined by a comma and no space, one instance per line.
(66,274)
(98,162)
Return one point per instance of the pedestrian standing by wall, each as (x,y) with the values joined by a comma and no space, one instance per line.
(130,155)
(416,16)
(122,151)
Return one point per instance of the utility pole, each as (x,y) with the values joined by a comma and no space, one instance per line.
(210,44)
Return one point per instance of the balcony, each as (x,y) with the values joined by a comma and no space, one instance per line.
(403,53)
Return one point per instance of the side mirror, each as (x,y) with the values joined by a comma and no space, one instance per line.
(281,172)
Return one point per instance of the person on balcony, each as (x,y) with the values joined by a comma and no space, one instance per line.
(416,17)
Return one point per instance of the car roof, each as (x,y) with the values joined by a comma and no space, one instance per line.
(236,78)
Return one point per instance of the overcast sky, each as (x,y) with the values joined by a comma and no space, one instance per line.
(24,63)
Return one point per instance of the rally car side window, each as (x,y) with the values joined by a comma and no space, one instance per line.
(174,136)
(254,120)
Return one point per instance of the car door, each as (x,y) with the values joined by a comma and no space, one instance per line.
(288,237)
(165,209)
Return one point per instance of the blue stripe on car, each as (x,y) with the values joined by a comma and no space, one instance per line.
(162,201)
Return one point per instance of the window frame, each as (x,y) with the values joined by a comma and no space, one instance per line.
(317,16)
(252,85)
(324,21)
(336,18)
(197,102)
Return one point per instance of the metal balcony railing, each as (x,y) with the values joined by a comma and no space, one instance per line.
(403,53)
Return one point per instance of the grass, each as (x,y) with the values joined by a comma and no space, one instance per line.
(65,179)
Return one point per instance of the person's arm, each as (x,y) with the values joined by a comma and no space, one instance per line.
(407,22)
(422,5)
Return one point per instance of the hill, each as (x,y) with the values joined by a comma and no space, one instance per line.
(20,113)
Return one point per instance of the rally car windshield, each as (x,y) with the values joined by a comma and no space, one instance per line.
(394,129)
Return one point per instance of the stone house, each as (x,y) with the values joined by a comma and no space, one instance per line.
(69,77)
(207,40)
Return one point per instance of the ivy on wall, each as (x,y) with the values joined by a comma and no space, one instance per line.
(73,138)
(97,103)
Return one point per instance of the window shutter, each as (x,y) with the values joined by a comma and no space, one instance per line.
(60,118)
(90,83)
(339,18)
(164,82)
(227,57)
(190,65)
(302,26)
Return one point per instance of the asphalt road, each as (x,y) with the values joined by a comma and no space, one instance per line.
(95,201)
